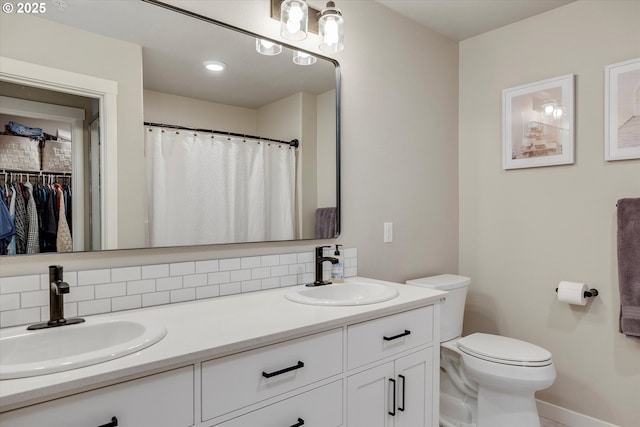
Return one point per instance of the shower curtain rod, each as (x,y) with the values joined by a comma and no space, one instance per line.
(293,143)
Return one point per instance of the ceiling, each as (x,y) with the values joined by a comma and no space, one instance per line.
(462,19)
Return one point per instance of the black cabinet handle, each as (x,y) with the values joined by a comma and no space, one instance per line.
(393,412)
(113,423)
(282,371)
(395,337)
(404,381)
(299,423)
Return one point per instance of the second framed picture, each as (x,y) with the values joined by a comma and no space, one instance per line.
(538,124)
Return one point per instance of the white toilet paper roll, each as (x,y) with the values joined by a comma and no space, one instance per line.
(572,292)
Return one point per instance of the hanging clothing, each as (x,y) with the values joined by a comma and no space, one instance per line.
(203,188)
(64,242)
(12,212)
(33,236)
(7,229)
(22,227)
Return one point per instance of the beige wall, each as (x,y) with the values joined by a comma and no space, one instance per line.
(522,231)
(399,143)
(170,109)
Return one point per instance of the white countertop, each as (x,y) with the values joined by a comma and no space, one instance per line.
(207,329)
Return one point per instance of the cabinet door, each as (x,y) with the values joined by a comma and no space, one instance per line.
(414,405)
(370,397)
(161,400)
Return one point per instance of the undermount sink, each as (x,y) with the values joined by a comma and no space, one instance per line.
(349,293)
(30,353)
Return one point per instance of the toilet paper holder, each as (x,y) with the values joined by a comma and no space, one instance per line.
(588,294)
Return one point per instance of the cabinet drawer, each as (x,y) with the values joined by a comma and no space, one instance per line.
(233,382)
(321,407)
(162,400)
(379,338)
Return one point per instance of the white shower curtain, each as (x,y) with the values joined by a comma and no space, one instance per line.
(204,188)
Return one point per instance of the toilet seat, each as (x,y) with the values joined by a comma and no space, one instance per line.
(504,350)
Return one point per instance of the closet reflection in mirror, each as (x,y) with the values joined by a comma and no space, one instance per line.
(135,199)
(42,172)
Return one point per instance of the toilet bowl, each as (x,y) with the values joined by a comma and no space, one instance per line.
(485,380)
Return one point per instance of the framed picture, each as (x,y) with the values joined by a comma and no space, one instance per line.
(538,124)
(622,110)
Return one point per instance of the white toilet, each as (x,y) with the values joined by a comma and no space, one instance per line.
(485,380)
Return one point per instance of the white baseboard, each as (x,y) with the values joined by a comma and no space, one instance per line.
(567,417)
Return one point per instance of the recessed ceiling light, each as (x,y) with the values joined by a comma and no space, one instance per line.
(214,65)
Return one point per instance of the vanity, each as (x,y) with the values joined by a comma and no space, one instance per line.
(256,359)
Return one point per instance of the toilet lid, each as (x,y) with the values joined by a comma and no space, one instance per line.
(509,351)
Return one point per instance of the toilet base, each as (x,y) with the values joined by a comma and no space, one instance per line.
(500,408)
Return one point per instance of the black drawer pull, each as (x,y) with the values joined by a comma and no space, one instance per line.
(299,423)
(404,334)
(393,412)
(282,371)
(404,381)
(113,423)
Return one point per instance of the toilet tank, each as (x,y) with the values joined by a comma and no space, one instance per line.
(452,310)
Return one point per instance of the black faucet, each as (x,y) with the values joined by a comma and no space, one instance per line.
(320,259)
(57,289)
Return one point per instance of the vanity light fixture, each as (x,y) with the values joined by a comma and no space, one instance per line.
(558,111)
(297,19)
(294,19)
(216,66)
(267,47)
(331,25)
(302,58)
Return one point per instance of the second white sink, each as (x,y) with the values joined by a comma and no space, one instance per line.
(31,353)
(342,294)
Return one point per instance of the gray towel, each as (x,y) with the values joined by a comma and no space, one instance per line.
(325,226)
(629,265)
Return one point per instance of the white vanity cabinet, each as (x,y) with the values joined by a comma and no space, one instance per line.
(161,400)
(393,383)
(370,366)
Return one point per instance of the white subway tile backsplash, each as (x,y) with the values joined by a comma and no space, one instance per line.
(209,266)
(34,299)
(182,268)
(250,262)
(9,302)
(194,280)
(208,291)
(230,288)
(168,283)
(270,283)
(230,264)
(96,306)
(126,303)
(10,285)
(156,298)
(288,259)
(280,270)
(240,275)
(155,271)
(260,273)
(269,260)
(141,286)
(25,299)
(80,293)
(218,278)
(110,290)
(182,295)
(94,277)
(126,274)
(251,285)
(19,317)
(305,257)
